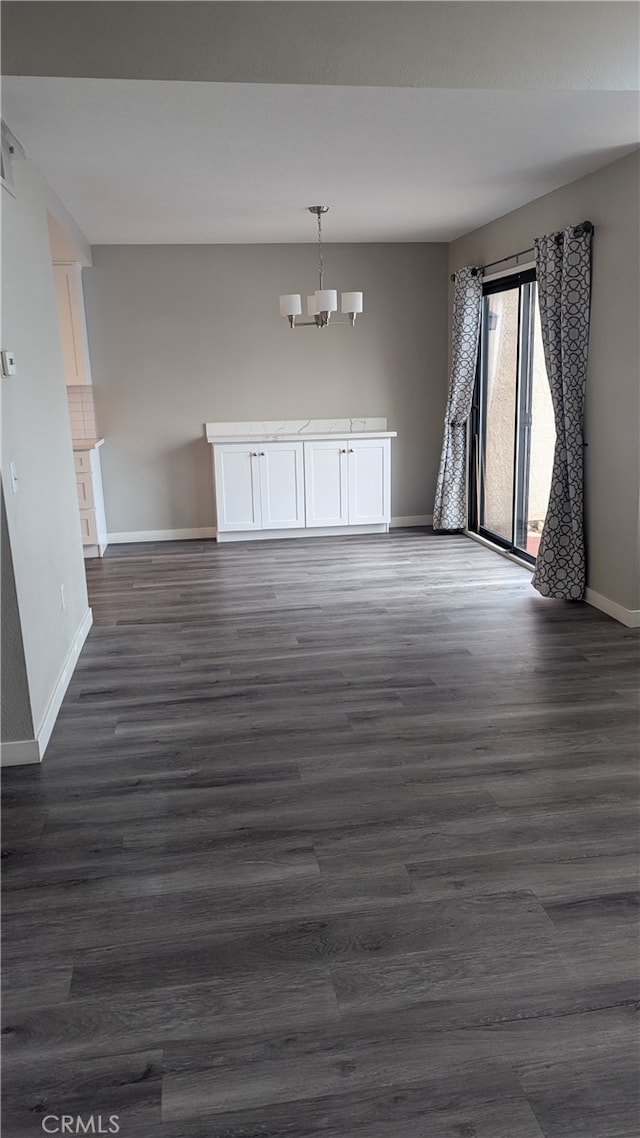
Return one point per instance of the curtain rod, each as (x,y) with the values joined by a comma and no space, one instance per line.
(583,227)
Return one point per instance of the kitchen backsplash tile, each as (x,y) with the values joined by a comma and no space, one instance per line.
(81,411)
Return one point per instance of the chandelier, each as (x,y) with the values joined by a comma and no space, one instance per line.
(323,301)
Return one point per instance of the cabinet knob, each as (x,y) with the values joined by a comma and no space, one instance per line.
(350,450)
(343,451)
(254,454)
(262,453)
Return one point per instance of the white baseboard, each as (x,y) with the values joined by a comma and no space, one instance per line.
(413,520)
(628,617)
(24,752)
(47,724)
(131,536)
(314,531)
(161,535)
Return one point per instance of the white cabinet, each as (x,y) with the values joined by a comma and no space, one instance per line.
(73,327)
(281,485)
(369,470)
(259,486)
(93,522)
(272,484)
(237,488)
(325,483)
(347,482)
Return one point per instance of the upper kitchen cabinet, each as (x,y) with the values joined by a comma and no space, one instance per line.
(73,325)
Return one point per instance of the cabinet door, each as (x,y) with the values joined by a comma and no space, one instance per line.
(88,527)
(237,475)
(325,476)
(281,485)
(73,325)
(82,461)
(369,481)
(84,484)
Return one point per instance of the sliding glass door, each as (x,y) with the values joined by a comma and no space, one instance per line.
(512,426)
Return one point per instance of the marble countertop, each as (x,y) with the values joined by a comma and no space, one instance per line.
(288,430)
(301,438)
(87,444)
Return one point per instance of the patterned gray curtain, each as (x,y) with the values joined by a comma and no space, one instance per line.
(450,509)
(563,269)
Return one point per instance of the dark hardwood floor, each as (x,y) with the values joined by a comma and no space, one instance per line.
(333,839)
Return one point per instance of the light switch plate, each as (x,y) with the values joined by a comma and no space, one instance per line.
(8,362)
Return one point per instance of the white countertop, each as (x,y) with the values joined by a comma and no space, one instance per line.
(290,430)
(302,438)
(87,444)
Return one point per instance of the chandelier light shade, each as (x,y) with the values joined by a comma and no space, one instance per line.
(323,301)
(290,305)
(351,302)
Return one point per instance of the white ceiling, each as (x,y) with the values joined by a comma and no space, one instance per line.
(138,161)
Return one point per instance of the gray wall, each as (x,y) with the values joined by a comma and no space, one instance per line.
(16,722)
(42,518)
(609,198)
(182,335)
(530,45)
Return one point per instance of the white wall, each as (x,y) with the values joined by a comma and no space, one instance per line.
(182,335)
(42,518)
(609,198)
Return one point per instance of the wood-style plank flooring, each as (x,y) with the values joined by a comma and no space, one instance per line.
(333,839)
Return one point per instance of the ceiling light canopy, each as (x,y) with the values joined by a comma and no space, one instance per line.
(323,301)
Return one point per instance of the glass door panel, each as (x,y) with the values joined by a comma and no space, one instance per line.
(543,438)
(500,411)
(512,424)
